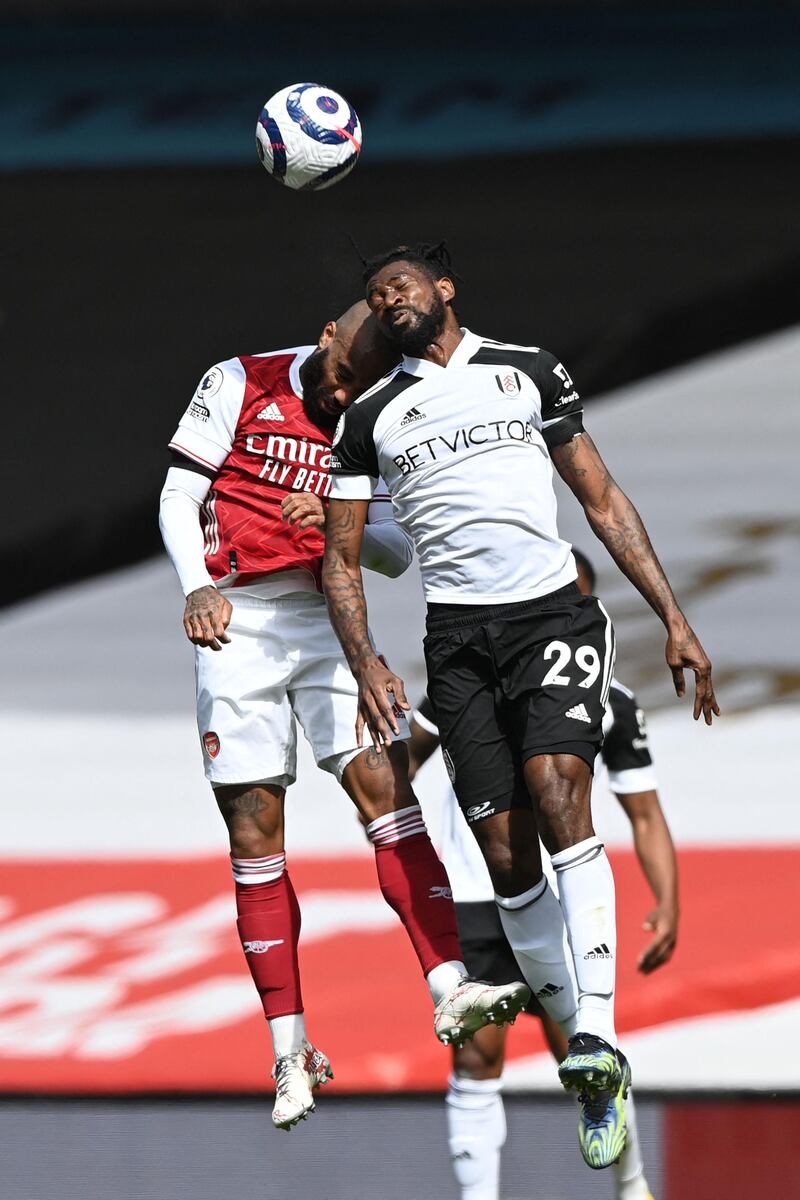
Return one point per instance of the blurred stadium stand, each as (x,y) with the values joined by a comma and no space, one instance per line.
(642,212)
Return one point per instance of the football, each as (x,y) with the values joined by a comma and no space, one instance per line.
(308,137)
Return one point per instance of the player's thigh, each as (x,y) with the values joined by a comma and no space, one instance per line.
(244,718)
(475,746)
(322,691)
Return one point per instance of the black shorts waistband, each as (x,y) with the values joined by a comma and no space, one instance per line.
(456,616)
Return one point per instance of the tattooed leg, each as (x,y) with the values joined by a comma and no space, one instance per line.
(377,781)
(268,913)
(253,814)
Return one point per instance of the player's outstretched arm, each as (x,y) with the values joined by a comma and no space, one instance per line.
(378,687)
(656,853)
(207,613)
(619,527)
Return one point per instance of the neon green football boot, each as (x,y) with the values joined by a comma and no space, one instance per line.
(602,1124)
(591,1064)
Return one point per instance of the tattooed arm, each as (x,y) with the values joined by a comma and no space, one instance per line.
(344,591)
(619,527)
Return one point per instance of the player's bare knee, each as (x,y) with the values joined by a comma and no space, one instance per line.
(510,847)
(254,817)
(483,1056)
(377,781)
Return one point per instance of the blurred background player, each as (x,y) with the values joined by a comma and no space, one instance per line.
(241,516)
(475,1113)
(465,432)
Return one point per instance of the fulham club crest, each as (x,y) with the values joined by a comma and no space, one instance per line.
(509,383)
(211,743)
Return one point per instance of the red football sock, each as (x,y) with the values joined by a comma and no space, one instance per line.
(269,930)
(415,884)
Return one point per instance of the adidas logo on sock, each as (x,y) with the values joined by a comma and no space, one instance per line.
(578,713)
(271,413)
(601,951)
(411,416)
(549,989)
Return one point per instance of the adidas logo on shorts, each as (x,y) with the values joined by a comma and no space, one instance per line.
(578,713)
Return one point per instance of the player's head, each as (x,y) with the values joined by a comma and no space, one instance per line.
(587,577)
(351,355)
(411,289)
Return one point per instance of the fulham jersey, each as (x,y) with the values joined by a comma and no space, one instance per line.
(625,754)
(464,450)
(246,428)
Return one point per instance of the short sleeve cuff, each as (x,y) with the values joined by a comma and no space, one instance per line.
(562,429)
(198,448)
(636,779)
(352,487)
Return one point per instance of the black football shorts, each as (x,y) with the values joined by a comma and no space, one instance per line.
(512,681)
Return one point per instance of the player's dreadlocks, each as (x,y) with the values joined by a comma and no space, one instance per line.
(435,260)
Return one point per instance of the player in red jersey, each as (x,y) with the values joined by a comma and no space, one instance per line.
(242,519)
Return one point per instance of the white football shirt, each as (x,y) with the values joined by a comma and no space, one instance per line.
(464,452)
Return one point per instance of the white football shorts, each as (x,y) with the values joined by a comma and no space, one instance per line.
(283,664)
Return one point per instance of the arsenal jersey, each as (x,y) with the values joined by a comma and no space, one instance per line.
(247,429)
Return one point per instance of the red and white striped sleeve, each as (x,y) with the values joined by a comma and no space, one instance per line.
(205,433)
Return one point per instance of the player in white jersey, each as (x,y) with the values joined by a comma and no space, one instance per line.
(465,433)
(475,1114)
(242,518)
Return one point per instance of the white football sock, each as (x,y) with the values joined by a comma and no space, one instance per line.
(629,1178)
(586,890)
(444,977)
(288,1034)
(476,1122)
(534,925)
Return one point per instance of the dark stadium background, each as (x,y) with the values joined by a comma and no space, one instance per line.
(142,242)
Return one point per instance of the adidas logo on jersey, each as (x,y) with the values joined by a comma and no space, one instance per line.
(411,416)
(578,713)
(601,951)
(271,413)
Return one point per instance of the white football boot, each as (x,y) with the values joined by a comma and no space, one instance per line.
(473,1003)
(296,1076)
